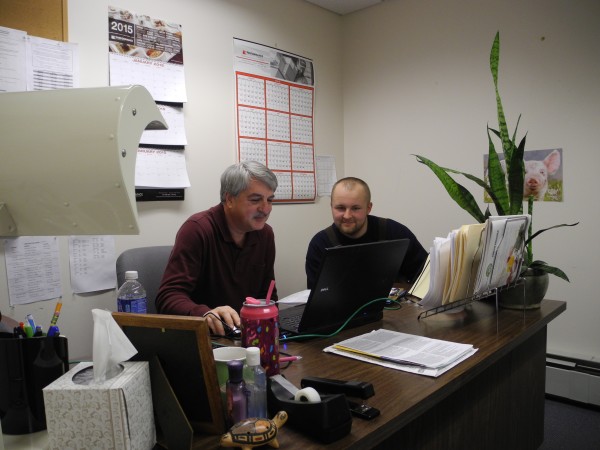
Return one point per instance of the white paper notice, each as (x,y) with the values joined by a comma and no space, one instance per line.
(326,175)
(12,60)
(92,260)
(51,64)
(33,269)
(160,168)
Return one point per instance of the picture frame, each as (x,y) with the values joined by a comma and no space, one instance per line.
(185,390)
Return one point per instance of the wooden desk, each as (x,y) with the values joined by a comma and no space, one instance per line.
(493,400)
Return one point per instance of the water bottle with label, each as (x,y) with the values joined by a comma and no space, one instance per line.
(132,295)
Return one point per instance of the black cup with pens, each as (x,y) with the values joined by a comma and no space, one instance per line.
(27,365)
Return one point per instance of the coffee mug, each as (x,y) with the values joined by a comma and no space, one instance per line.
(222,356)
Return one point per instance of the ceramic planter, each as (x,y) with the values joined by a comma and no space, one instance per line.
(536,286)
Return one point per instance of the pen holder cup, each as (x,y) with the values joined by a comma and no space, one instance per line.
(26,367)
(326,421)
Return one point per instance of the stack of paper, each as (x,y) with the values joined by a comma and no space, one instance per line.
(403,351)
(472,260)
(502,253)
(439,256)
(467,241)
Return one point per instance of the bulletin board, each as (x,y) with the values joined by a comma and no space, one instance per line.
(41,18)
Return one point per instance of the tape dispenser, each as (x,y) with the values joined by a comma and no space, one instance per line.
(325,418)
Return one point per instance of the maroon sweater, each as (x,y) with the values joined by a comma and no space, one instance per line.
(207,269)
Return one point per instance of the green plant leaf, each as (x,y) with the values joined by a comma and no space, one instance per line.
(541,266)
(459,193)
(507,144)
(514,138)
(495,58)
(515,175)
(516,178)
(477,180)
(484,185)
(497,180)
(538,232)
(528,244)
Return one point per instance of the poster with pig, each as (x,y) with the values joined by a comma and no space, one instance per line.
(543,175)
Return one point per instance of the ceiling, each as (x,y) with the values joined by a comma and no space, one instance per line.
(342,7)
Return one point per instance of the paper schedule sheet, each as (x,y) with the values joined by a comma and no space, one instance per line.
(92,263)
(32,268)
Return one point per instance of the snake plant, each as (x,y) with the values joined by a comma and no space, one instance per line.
(504,187)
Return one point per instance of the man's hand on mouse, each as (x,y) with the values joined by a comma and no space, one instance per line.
(227,314)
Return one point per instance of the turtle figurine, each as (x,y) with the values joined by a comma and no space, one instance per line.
(254,432)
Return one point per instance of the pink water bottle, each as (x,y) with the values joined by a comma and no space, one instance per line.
(260,328)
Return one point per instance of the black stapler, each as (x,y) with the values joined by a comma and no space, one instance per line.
(350,388)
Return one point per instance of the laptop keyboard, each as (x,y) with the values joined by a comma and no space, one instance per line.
(291,320)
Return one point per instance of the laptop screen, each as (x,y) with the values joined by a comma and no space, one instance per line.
(351,276)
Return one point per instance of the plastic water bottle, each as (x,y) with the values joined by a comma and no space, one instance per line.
(237,402)
(256,384)
(132,295)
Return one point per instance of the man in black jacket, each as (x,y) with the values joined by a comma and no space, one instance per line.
(352,224)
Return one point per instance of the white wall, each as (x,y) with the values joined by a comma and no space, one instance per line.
(402,77)
(416,80)
(209,27)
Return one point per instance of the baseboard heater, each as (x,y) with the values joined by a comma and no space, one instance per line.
(573,379)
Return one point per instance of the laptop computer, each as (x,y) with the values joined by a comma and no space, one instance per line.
(350,276)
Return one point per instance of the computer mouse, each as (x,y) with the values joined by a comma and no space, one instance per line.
(232,332)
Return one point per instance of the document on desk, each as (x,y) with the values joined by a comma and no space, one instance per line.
(406,352)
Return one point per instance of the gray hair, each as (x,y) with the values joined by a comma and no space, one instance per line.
(237,177)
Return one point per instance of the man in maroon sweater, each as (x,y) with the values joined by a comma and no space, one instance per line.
(224,254)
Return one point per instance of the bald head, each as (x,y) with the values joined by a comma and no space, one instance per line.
(350,206)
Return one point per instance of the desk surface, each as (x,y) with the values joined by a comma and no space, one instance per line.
(400,396)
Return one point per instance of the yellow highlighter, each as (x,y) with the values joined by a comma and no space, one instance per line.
(56,313)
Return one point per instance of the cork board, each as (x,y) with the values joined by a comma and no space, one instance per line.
(41,18)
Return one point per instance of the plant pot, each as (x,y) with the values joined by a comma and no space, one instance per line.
(536,286)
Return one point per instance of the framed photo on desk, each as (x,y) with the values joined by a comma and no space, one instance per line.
(185,391)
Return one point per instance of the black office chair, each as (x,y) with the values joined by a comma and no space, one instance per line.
(150,263)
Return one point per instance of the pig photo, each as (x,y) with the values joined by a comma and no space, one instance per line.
(543,175)
(537,173)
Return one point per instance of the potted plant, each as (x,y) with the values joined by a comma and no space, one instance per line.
(504,184)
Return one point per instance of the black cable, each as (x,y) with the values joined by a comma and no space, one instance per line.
(227,328)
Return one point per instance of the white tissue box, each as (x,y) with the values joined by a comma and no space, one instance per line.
(115,414)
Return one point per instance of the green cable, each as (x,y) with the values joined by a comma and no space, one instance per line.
(304,336)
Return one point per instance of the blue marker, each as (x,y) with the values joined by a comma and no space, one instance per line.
(53,331)
(31,321)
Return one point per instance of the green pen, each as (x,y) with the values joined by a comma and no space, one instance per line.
(28,330)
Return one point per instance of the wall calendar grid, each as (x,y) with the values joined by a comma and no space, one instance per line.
(275,122)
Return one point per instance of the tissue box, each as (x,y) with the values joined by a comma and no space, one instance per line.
(115,414)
